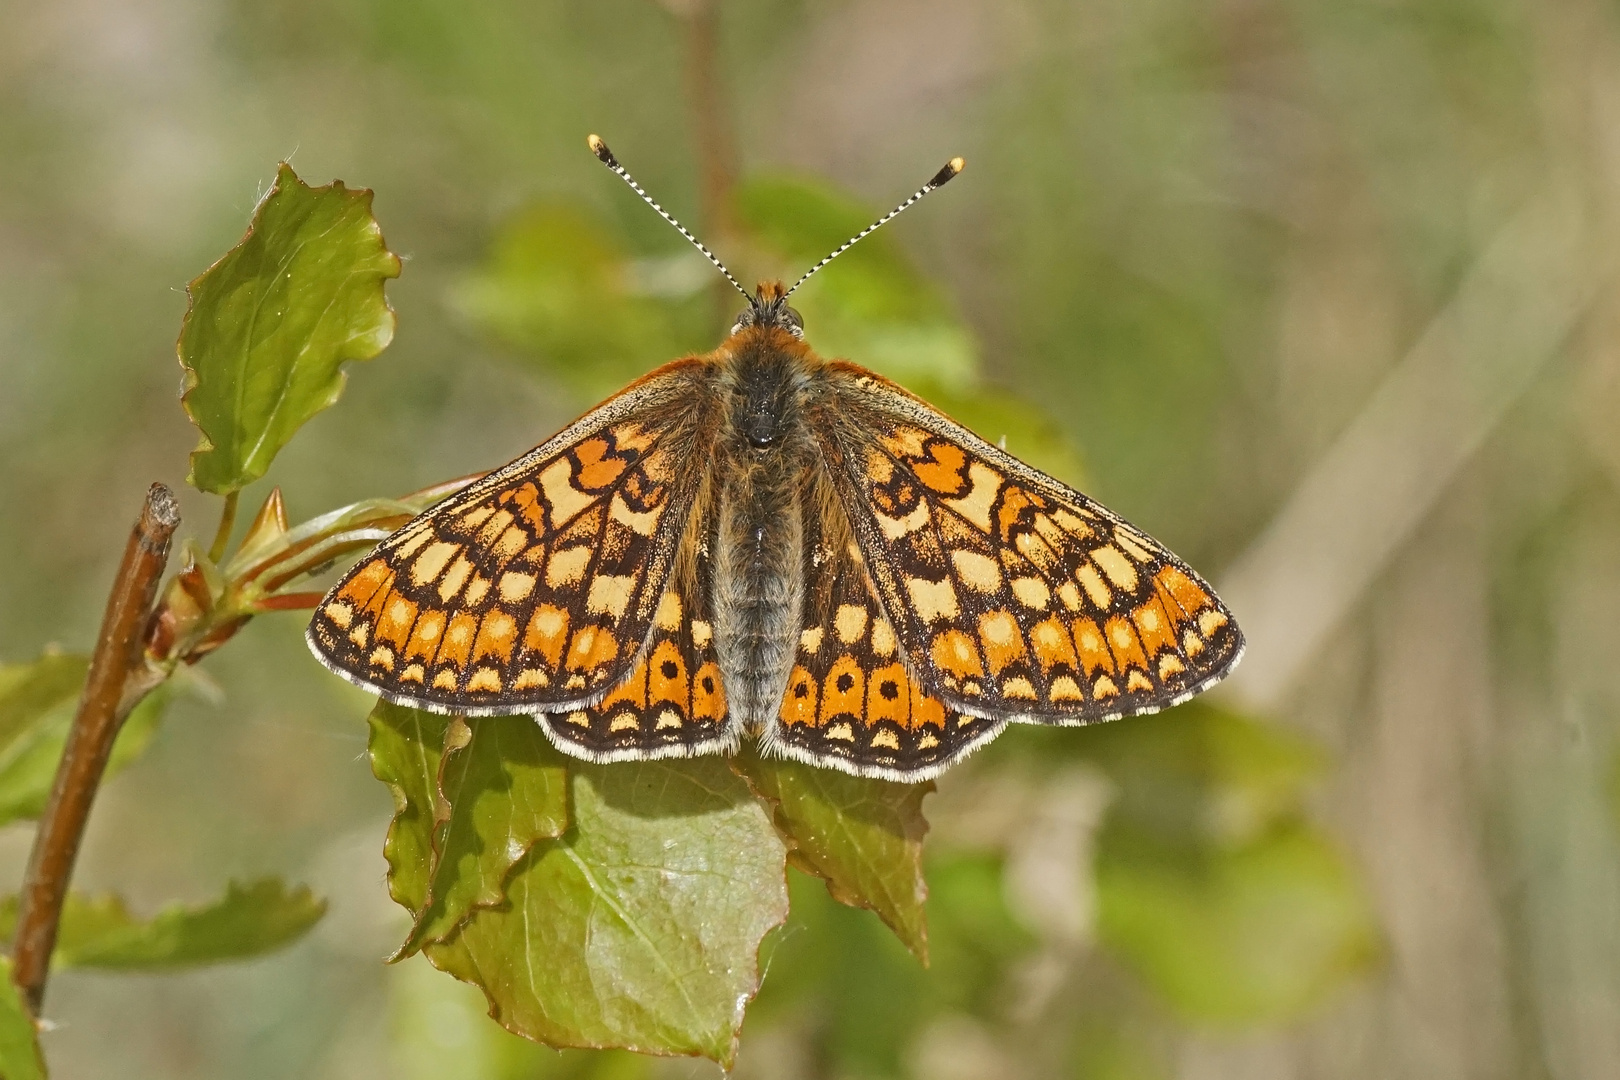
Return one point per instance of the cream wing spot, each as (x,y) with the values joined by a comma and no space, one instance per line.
(432,562)
(642,524)
(978,572)
(1096,591)
(610,595)
(563,500)
(1064,688)
(981,497)
(1116,566)
(895,528)
(932,600)
(455,578)
(668,617)
(1032,592)
(850,623)
(567,567)
(515,586)
(883,641)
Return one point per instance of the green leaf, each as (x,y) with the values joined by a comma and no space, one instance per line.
(862,837)
(1258,933)
(20,1058)
(639,927)
(271,324)
(29,691)
(504,788)
(405,748)
(37,702)
(99,932)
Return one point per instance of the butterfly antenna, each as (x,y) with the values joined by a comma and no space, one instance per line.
(941,178)
(603,154)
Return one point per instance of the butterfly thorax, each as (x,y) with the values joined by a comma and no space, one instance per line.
(764,456)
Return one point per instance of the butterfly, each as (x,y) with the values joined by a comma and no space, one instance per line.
(759,541)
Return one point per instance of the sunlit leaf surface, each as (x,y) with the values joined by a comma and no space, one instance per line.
(503,789)
(272,323)
(639,927)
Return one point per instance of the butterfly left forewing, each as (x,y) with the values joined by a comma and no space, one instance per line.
(538,585)
(1013,596)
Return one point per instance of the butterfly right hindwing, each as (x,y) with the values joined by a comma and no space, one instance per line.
(674,702)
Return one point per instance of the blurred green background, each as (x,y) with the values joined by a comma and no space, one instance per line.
(1320,294)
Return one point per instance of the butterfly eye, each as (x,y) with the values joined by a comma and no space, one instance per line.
(744,319)
(793,322)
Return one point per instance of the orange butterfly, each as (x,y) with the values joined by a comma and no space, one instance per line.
(759,541)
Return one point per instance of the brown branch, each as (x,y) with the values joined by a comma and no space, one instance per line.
(109,695)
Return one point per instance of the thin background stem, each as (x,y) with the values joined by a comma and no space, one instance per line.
(716,143)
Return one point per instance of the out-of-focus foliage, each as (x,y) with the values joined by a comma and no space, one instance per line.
(19,1042)
(272,323)
(99,932)
(1211,883)
(36,708)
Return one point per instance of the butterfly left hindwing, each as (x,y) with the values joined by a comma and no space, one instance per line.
(851,701)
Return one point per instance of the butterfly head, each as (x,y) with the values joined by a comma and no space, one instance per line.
(769,307)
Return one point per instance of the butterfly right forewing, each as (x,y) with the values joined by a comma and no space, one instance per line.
(536,586)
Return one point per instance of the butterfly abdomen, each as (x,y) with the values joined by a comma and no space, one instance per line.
(764,456)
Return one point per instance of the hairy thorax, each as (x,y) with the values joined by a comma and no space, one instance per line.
(765,457)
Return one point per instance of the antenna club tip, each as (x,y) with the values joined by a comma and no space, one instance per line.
(600,149)
(948,173)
